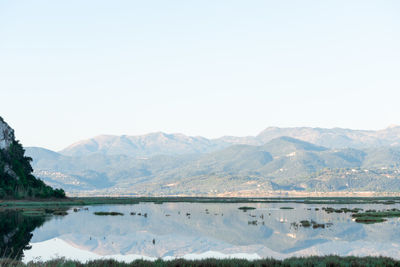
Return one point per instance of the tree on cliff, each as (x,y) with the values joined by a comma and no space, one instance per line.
(16,178)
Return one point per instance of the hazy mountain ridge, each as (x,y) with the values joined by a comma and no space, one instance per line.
(143,145)
(336,137)
(284,163)
(178,144)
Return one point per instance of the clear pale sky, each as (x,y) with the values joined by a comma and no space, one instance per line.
(71,70)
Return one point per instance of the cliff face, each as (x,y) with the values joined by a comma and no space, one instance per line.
(16,179)
(6,135)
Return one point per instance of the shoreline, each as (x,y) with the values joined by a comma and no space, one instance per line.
(122,200)
(250,194)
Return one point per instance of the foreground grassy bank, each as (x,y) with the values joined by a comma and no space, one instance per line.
(307,261)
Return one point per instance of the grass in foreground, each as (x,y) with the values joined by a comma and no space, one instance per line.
(307,261)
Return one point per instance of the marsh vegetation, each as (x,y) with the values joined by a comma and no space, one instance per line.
(303,261)
(373,216)
(106,213)
(244,209)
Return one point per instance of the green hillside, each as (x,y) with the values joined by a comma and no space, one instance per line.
(16,179)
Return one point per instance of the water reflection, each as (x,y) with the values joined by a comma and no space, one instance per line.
(16,232)
(197,229)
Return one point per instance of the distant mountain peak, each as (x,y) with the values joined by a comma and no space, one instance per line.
(335,137)
(156,143)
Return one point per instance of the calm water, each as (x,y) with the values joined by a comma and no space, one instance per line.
(199,230)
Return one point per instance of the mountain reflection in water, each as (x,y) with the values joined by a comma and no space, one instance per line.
(193,230)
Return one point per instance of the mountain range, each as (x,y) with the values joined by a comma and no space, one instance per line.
(173,144)
(278,159)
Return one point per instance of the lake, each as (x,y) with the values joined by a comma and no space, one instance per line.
(200,230)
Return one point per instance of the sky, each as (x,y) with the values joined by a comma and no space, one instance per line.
(72,70)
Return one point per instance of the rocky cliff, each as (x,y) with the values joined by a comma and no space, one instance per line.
(6,134)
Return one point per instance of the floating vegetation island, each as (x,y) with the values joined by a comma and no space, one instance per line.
(306,224)
(246,208)
(373,216)
(104,213)
(341,210)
